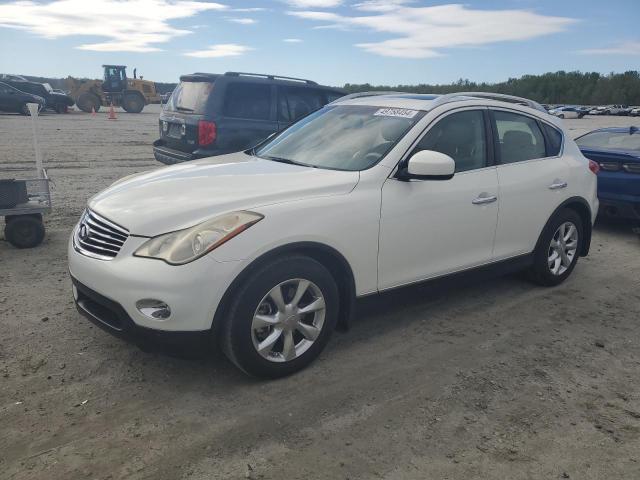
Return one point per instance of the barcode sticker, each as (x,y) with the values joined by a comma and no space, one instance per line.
(396,112)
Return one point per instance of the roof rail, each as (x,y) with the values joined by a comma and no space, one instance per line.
(453,97)
(373,93)
(270,77)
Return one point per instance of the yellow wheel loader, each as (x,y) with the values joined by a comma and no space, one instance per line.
(130,94)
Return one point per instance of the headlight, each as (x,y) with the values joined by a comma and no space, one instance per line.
(184,246)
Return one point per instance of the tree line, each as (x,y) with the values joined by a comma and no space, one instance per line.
(588,88)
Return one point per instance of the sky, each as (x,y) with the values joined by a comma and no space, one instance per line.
(330,41)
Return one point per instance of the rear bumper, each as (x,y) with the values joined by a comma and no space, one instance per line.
(170,156)
(619,209)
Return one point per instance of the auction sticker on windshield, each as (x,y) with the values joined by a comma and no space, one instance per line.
(396,112)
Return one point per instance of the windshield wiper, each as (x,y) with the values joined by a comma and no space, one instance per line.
(285,160)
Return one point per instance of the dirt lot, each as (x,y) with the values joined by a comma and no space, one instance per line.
(493,380)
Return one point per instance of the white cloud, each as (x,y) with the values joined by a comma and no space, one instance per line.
(134,26)
(381,5)
(243,21)
(624,48)
(250,10)
(314,3)
(422,32)
(292,40)
(221,50)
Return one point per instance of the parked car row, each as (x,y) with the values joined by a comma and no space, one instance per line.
(16,92)
(574,111)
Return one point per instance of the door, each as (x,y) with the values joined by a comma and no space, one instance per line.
(532,176)
(297,102)
(248,116)
(434,227)
(6,98)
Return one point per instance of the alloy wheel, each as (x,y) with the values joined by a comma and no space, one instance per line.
(288,320)
(563,248)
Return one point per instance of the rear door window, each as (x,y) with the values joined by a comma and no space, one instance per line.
(297,102)
(248,100)
(190,97)
(519,137)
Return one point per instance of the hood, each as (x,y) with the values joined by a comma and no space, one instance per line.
(61,98)
(186,194)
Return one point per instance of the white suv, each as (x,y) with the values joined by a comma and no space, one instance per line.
(267,250)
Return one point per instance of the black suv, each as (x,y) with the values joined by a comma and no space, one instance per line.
(210,114)
(58,102)
(13,100)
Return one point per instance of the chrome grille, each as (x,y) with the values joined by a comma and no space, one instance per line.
(97,237)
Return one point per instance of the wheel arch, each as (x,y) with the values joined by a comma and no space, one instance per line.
(582,208)
(328,256)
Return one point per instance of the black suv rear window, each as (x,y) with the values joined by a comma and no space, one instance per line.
(248,100)
(190,97)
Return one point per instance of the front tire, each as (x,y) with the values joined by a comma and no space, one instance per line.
(281,318)
(87,101)
(558,249)
(133,103)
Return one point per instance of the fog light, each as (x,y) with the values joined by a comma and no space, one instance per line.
(155,309)
(75,292)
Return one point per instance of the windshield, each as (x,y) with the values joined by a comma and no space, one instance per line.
(190,97)
(611,140)
(341,137)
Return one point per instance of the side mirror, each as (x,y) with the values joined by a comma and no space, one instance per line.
(428,165)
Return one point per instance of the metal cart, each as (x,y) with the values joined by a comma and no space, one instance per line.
(22,204)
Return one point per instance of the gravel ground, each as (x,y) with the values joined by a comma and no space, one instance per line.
(498,379)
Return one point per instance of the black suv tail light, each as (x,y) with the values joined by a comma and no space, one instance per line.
(207,132)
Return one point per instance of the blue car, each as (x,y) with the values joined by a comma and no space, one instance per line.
(617,151)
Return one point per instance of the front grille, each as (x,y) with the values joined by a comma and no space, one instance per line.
(97,237)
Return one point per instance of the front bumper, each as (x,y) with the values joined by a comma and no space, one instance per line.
(193,291)
(111,317)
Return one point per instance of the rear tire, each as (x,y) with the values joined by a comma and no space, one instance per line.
(24,231)
(132,103)
(558,249)
(86,101)
(264,337)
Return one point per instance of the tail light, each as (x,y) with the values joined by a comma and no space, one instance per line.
(632,167)
(594,167)
(207,132)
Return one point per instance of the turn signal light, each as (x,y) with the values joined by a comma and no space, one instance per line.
(207,132)
(594,167)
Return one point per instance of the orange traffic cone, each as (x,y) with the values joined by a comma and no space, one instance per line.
(112,113)
(93,111)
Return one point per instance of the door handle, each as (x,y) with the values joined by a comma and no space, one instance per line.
(484,198)
(557,185)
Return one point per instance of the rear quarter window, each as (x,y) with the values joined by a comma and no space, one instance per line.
(554,140)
